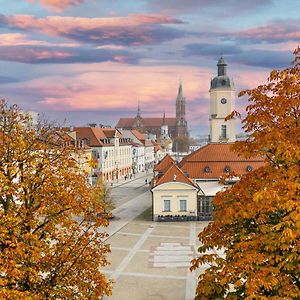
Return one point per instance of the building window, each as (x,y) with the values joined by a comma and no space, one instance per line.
(223,131)
(205,208)
(249,168)
(183,205)
(207,169)
(227,169)
(167,205)
(85,141)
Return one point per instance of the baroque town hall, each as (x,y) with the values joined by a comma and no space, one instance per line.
(177,127)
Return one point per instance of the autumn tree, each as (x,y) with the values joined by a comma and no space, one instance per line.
(102,194)
(257,221)
(50,245)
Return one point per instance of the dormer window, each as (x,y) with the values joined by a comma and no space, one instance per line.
(207,169)
(85,141)
(249,168)
(227,169)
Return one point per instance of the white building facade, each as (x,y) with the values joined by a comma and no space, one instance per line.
(111,151)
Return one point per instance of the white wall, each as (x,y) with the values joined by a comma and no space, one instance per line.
(174,191)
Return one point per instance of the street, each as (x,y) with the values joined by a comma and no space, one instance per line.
(131,198)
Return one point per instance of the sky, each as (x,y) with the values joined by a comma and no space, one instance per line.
(91,61)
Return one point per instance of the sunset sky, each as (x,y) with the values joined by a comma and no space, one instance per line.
(90,61)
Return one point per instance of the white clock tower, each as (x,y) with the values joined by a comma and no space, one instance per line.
(221,104)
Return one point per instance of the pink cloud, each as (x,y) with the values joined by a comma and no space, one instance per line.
(279,31)
(58,4)
(120,87)
(19,39)
(59,24)
(134,29)
(28,55)
(112,86)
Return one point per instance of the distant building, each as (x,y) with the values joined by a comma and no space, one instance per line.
(177,126)
(143,150)
(111,151)
(33,115)
(164,139)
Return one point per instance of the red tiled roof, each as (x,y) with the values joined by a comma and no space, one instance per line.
(164,164)
(211,161)
(92,134)
(126,122)
(147,122)
(96,134)
(173,174)
(156,146)
(157,122)
(138,135)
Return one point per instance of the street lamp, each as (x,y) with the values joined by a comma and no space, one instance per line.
(117,170)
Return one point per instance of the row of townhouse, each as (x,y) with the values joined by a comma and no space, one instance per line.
(116,154)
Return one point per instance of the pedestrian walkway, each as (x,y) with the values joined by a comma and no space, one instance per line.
(151,260)
(122,181)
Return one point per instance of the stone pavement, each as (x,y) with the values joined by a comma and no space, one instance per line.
(150,260)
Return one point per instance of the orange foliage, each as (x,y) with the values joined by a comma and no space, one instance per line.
(51,246)
(257,221)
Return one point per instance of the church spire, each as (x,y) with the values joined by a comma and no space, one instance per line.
(164,119)
(180,90)
(138,115)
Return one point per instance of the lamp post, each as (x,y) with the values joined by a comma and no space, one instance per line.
(117,170)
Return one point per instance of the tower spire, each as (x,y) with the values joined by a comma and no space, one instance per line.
(222,67)
(164,119)
(138,110)
(180,89)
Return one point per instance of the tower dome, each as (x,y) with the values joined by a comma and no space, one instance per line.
(222,80)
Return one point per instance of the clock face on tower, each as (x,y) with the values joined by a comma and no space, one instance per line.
(223,101)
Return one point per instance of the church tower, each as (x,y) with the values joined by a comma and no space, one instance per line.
(222,93)
(164,127)
(181,123)
(138,118)
(164,140)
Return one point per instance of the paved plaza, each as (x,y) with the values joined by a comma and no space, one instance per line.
(149,260)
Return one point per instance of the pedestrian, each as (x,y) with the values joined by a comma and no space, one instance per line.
(146,181)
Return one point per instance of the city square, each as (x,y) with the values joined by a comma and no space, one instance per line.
(149,260)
